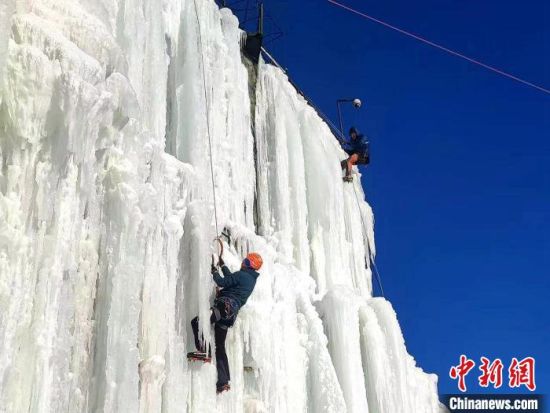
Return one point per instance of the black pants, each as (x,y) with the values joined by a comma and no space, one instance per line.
(220,334)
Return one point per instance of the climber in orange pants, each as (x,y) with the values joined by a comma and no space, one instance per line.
(358,150)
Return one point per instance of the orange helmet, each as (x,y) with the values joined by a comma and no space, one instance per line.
(254,261)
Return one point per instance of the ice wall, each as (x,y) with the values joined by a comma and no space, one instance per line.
(110,113)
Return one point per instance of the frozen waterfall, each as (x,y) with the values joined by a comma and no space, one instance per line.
(107,222)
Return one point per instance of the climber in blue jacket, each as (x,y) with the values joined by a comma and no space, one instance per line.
(233,293)
(357,147)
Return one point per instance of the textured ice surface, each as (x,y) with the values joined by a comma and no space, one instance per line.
(107,222)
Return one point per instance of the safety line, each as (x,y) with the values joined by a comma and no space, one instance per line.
(336,133)
(377,274)
(207,117)
(443,48)
(371,259)
(335,130)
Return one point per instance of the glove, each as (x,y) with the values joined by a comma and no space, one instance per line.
(221,262)
(213,269)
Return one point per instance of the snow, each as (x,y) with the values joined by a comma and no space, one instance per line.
(107,223)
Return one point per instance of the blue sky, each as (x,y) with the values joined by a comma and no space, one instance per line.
(460,174)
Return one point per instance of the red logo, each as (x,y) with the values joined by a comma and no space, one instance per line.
(461,371)
(520,373)
(491,373)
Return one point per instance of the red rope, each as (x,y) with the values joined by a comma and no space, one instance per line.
(445,49)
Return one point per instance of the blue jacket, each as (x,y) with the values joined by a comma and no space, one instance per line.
(358,145)
(238,285)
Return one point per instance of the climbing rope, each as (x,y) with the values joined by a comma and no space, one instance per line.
(334,129)
(207,104)
(371,259)
(377,274)
(338,135)
(440,47)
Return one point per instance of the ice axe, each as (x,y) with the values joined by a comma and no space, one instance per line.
(220,254)
(220,243)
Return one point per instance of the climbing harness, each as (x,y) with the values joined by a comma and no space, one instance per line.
(207,104)
(225,311)
(371,259)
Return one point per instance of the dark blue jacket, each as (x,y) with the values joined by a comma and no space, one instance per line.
(358,145)
(238,285)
